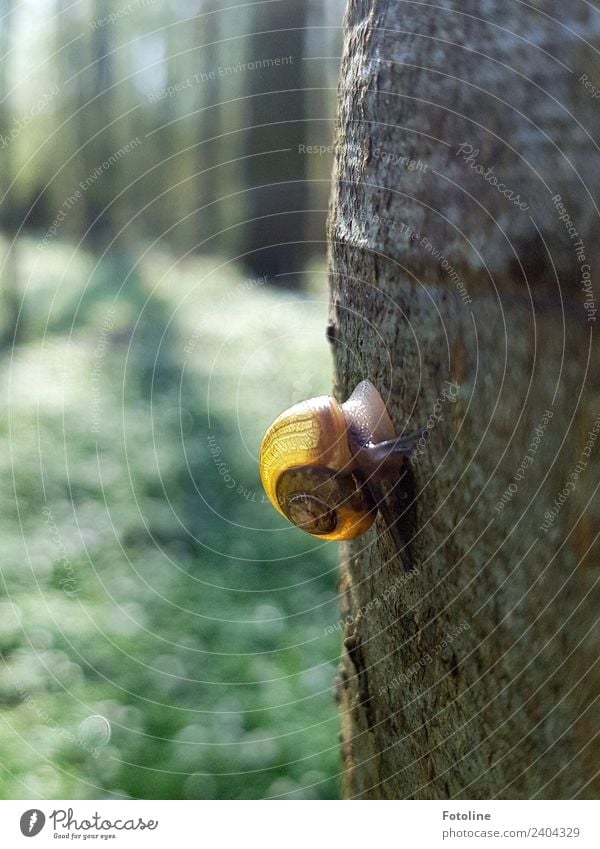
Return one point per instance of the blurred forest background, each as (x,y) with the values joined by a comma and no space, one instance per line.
(164,180)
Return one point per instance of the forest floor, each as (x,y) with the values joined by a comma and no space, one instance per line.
(163,634)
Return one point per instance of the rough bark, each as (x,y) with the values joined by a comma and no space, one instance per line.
(475,676)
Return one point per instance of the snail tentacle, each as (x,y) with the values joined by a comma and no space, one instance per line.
(384,459)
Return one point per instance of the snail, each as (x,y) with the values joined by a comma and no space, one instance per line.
(322,464)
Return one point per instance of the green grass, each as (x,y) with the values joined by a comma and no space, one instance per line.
(144,578)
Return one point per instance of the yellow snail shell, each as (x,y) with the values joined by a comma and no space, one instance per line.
(317,458)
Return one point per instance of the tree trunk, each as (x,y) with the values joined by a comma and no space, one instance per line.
(461,285)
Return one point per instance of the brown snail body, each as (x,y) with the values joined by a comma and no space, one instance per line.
(321,462)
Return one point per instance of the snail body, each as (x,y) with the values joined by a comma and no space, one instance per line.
(321,462)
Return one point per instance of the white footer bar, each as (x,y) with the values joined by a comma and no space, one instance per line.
(290,825)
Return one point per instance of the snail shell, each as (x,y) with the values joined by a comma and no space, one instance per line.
(314,465)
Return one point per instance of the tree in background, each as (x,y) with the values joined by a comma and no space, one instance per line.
(221,99)
(8,275)
(274,169)
(462,241)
